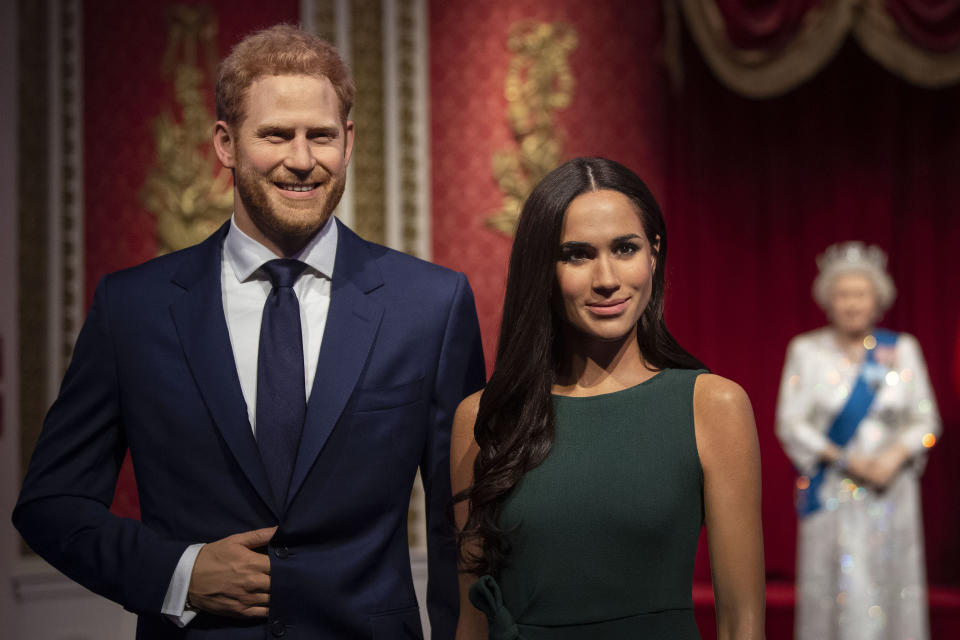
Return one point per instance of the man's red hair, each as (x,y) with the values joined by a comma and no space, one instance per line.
(279,50)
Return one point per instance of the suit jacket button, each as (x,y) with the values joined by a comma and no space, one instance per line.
(282,552)
(277,628)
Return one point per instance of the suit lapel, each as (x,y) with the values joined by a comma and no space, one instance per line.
(352,322)
(202,328)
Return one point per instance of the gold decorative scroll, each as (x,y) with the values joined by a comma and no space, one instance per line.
(539,82)
(187,189)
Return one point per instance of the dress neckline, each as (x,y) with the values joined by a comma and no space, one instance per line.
(646,382)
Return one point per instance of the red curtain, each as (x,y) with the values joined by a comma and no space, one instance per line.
(756,189)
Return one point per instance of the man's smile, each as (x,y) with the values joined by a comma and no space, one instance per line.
(297,187)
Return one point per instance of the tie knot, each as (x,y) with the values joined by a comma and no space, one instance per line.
(283,272)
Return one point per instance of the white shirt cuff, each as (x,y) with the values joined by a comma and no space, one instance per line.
(176,598)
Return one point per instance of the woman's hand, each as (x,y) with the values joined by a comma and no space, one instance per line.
(860,467)
(879,470)
(887,464)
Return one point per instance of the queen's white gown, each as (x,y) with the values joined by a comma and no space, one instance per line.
(860,559)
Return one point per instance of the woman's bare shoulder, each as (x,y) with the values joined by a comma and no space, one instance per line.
(723,417)
(716,393)
(469,406)
(463,446)
(466,416)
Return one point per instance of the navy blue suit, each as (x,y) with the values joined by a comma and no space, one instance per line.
(153,371)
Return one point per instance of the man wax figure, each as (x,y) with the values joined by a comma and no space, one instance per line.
(277,385)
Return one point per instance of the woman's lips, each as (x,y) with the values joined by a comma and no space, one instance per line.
(608,307)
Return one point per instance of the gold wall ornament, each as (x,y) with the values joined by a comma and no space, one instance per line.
(539,82)
(187,189)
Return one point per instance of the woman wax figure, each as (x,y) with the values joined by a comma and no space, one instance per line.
(856,415)
(599,447)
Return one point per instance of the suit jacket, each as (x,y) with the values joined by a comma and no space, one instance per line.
(153,371)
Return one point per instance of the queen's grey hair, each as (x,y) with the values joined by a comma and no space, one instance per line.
(854,257)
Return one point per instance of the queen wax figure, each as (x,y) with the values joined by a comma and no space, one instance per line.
(856,415)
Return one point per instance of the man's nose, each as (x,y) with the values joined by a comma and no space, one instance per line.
(299,158)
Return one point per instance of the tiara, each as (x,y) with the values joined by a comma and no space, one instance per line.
(852,255)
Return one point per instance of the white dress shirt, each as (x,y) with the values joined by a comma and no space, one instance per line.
(245,290)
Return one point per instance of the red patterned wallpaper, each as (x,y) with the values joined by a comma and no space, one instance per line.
(617,111)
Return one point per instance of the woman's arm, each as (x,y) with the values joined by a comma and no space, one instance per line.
(472,624)
(730,456)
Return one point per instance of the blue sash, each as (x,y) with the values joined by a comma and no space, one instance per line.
(846,422)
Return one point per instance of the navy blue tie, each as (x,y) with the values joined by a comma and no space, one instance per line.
(281,395)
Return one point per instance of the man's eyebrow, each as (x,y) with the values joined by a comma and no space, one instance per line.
(270,128)
(329,130)
(267,129)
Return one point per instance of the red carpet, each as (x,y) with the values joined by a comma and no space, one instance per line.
(944,611)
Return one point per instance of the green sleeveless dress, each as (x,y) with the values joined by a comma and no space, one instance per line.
(603,533)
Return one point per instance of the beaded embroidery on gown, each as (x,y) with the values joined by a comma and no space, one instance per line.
(603,534)
(860,560)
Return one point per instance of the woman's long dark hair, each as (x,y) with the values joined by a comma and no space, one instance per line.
(515,423)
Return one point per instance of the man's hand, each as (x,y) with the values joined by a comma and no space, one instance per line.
(230,579)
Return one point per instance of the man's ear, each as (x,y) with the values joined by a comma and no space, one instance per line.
(224,143)
(349,131)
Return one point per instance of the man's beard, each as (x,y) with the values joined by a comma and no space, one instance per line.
(297,221)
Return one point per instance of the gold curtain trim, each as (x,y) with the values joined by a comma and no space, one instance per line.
(884,41)
(762,74)
(765,74)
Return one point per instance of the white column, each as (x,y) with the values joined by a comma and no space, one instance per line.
(345,210)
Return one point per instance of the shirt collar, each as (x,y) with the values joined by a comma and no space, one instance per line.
(245,255)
